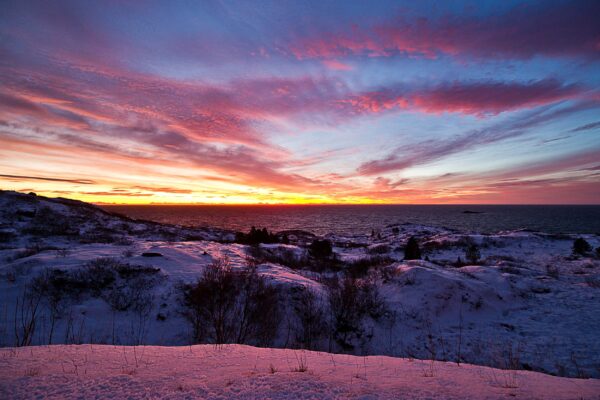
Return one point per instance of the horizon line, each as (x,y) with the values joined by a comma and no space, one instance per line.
(103,204)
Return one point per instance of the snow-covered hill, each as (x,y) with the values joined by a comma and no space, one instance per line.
(528,303)
(244,372)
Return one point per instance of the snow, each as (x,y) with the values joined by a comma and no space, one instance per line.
(244,372)
(510,310)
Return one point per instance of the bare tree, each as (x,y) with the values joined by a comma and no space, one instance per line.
(226,306)
(351,300)
(311,315)
(26,315)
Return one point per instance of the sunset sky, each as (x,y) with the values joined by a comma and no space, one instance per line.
(294,102)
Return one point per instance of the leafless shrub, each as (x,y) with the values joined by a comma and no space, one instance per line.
(311,315)
(226,306)
(26,317)
(131,293)
(32,371)
(361,267)
(351,301)
(46,286)
(48,222)
(282,256)
(121,285)
(75,331)
(301,362)
(508,359)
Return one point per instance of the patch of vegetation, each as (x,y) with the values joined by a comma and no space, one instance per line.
(360,267)
(7,236)
(324,260)
(107,278)
(581,247)
(312,325)
(227,306)
(48,222)
(256,236)
(321,249)
(351,301)
(412,250)
(472,254)
(151,254)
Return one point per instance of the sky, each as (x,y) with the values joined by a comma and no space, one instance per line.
(237,102)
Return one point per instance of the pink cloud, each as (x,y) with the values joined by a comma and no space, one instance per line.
(337,65)
(478,98)
(568,29)
(492,97)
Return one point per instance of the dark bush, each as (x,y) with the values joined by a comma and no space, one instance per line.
(7,236)
(581,247)
(133,294)
(226,306)
(120,284)
(127,271)
(281,256)
(151,254)
(472,254)
(48,222)
(412,250)
(320,249)
(311,315)
(256,236)
(360,267)
(290,259)
(351,301)
(98,274)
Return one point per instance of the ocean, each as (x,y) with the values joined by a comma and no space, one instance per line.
(353,219)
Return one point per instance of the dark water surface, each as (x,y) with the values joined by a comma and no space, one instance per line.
(321,219)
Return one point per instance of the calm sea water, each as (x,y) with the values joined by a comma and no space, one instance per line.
(348,219)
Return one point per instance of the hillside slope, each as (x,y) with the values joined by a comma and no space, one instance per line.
(528,303)
(243,372)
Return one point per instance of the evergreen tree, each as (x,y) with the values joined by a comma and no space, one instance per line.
(412,250)
(581,246)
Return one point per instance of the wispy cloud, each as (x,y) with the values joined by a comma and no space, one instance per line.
(20,178)
(222,102)
(558,29)
(586,127)
(479,98)
(424,152)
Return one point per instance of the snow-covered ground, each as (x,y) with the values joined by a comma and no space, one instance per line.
(527,304)
(244,372)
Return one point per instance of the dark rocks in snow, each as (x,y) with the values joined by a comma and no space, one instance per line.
(151,254)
